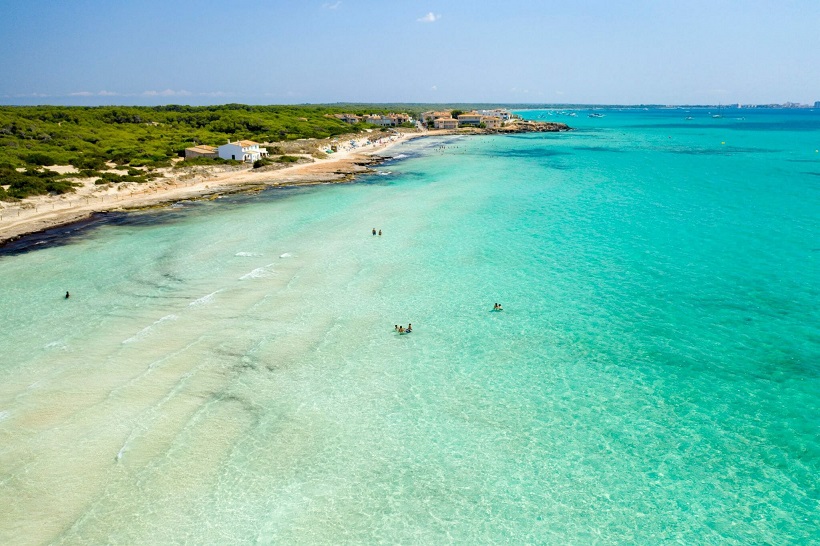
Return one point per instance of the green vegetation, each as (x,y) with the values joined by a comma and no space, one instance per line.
(31,182)
(87,137)
(270,160)
(287,159)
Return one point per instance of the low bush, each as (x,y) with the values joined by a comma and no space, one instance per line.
(287,159)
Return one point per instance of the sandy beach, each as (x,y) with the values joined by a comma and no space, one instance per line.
(40,213)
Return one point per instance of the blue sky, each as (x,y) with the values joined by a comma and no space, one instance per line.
(289,51)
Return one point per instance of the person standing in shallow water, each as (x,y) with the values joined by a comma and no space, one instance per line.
(380,233)
(67,295)
(374,231)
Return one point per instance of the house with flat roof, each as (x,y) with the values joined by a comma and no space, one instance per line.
(445,123)
(505,115)
(201,150)
(491,122)
(388,120)
(242,150)
(470,118)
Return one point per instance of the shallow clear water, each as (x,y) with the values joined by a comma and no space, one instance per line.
(227,372)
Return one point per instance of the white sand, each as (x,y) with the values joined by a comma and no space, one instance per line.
(44,212)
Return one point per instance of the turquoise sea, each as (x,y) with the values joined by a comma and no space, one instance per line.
(227,371)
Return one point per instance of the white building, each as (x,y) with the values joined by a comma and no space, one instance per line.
(242,150)
(504,115)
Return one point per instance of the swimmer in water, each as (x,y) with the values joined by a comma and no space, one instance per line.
(401,329)
(67,295)
(409,328)
(374,231)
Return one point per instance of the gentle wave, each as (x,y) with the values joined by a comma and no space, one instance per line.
(204,299)
(258,273)
(248,254)
(148,329)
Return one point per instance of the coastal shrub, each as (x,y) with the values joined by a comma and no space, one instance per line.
(28,183)
(39,159)
(150,136)
(86,162)
(205,161)
(3,195)
(286,159)
(116,178)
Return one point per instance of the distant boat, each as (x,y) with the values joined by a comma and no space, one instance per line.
(689,118)
(593,115)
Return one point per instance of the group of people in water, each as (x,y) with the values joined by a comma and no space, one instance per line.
(497,307)
(374,232)
(402,329)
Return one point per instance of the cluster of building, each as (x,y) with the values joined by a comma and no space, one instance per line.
(239,150)
(387,120)
(490,119)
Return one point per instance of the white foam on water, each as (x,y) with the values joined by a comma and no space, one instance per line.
(56,345)
(258,273)
(248,254)
(4,415)
(400,156)
(204,300)
(148,329)
(286,255)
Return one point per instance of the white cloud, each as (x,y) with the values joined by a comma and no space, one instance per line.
(81,94)
(105,93)
(167,93)
(429,18)
(334,5)
(434,88)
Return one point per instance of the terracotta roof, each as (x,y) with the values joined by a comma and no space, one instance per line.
(202,149)
(244,143)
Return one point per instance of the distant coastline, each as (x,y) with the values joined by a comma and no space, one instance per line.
(44,212)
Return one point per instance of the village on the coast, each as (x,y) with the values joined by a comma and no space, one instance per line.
(243,163)
(496,120)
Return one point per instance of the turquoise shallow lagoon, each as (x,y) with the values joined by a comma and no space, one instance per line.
(227,371)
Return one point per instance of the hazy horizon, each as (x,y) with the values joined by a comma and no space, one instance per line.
(90,52)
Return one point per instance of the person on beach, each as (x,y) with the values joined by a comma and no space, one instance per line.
(67,295)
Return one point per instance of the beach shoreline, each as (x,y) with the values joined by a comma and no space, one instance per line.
(42,213)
